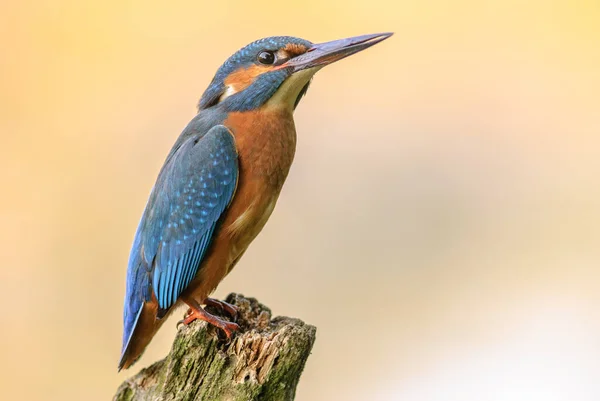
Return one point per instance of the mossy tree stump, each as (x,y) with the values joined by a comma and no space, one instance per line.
(263,361)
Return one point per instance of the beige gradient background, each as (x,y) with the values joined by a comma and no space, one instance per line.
(440,225)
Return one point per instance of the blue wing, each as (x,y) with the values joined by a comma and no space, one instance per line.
(193,189)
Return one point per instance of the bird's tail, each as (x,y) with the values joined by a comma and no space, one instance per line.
(143,329)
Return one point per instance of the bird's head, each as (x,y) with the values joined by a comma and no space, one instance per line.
(276,70)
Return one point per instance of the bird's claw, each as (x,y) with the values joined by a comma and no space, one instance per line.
(192,314)
(229,328)
(231,310)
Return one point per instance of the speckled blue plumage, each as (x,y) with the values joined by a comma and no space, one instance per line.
(193,189)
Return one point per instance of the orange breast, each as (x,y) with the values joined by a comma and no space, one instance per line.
(266,143)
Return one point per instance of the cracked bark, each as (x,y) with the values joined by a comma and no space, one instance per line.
(263,362)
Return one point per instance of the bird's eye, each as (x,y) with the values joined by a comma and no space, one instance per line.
(266,57)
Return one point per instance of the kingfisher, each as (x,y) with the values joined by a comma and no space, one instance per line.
(220,183)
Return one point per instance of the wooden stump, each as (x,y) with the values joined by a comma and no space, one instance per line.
(263,361)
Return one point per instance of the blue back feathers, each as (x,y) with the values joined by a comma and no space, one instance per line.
(264,86)
(194,187)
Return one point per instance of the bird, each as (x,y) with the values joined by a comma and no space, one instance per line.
(220,183)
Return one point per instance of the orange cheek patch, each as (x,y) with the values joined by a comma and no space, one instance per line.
(244,77)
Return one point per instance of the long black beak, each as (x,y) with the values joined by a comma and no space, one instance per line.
(322,54)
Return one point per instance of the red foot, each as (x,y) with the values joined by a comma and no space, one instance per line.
(231,310)
(196,312)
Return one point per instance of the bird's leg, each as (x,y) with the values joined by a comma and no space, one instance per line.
(223,306)
(231,310)
(196,312)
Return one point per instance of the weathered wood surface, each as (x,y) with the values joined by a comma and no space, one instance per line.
(263,361)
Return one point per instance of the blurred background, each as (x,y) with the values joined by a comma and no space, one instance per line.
(440,225)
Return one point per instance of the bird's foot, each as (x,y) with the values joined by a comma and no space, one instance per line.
(231,310)
(198,313)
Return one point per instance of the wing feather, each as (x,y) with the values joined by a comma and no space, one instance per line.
(192,191)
